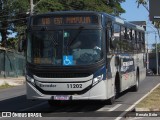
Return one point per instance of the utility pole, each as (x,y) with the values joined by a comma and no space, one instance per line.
(147,51)
(157,65)
(32,7)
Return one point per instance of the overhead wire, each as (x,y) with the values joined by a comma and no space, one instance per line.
(12,20)
(13,15)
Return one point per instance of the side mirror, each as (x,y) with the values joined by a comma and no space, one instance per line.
(112,44)
(109,24)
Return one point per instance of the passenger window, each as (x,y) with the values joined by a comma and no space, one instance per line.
(116,37)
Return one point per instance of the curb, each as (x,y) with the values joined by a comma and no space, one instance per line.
(133,108)
(147,109)
(12,81)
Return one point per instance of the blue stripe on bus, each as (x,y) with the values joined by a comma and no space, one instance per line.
(101,71)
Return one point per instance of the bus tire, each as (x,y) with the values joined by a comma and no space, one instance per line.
(54,102)
(136,86)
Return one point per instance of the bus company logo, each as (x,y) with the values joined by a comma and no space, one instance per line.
(47,85)
(126,65)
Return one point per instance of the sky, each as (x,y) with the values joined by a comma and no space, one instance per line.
(133,13)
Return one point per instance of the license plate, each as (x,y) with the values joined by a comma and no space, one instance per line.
(61,97)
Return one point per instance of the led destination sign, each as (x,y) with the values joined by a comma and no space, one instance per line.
(65,20)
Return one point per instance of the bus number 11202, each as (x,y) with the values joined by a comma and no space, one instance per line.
(74,85)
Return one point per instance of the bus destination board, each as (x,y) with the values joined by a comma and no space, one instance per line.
(65,20)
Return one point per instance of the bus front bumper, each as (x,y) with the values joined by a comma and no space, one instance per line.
(97,92)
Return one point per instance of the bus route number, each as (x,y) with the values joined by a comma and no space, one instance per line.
(74,85)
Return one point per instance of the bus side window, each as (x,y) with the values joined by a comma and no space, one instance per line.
(129,40)
(138,41)
(123,44)
(109,45)
(116,36)
(134,41)
(143,42)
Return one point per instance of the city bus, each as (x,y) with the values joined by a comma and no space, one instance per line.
(82,55)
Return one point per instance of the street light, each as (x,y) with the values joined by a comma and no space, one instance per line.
(147,51)
(157,64)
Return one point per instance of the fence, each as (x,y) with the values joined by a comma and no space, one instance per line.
(153,63)
(12,64)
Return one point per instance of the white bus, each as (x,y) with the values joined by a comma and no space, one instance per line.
(82,55)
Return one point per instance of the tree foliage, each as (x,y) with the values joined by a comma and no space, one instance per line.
(13,13)
(145,3)
(93,5)
(141,2)
(12,18)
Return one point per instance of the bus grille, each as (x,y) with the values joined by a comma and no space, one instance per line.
(62,75)
(64,92)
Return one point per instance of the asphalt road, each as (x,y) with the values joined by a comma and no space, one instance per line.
(14,100)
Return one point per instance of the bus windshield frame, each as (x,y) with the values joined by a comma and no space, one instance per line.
(79,46)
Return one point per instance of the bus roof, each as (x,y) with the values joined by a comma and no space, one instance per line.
(112,17)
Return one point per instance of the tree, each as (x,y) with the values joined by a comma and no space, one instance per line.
(12,16)
(13,13)
(94,5)
(145,3)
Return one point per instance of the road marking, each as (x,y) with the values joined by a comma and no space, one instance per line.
(132,106)
(103,109)
(136,118)
(33,106)
(115,107)
(110,109)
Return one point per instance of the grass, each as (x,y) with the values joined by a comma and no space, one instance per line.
(5,86)
(152,101)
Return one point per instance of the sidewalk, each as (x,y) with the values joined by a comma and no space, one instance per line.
(12,81)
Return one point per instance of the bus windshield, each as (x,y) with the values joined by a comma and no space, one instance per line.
(81,47)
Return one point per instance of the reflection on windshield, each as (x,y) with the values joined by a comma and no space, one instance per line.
(77,47)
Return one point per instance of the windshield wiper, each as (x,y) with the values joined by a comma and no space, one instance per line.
(72,40)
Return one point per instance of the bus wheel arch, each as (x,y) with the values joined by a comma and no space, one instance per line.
(136,86)
(116,89)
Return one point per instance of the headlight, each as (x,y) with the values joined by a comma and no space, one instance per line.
(29,79)
(97,79)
